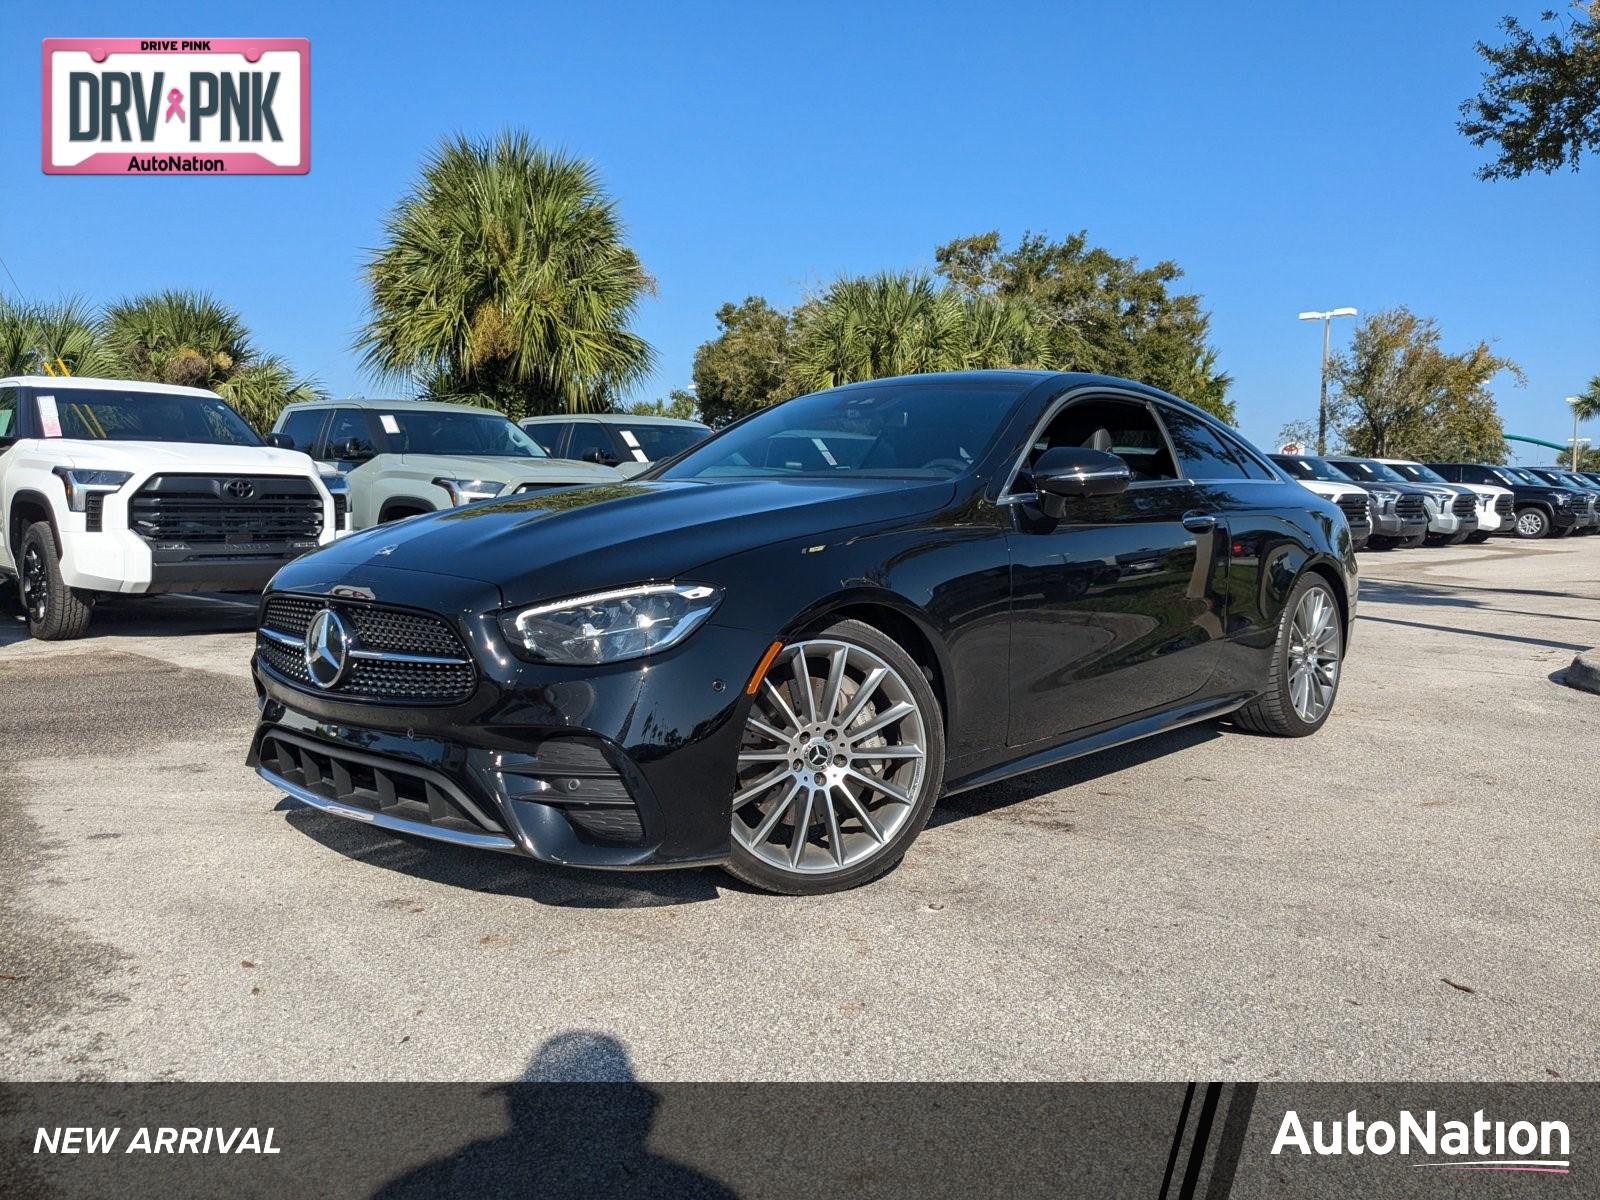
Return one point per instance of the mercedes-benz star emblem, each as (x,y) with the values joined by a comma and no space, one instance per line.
(327,649)
(239,489)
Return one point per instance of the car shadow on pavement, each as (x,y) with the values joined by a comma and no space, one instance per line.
(164,615)
(499,874)
(982,801)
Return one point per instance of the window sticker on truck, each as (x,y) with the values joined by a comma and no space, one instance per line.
(49,418)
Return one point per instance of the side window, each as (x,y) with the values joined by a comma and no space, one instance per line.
(1121,427)
(1247,459)
(1201,453)
(8,413)
(350,423)
(589,436)
(548,435)
(302,426)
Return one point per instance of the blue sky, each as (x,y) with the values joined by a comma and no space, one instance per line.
(1288,156)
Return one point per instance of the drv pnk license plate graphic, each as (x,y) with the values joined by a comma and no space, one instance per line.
(176,106)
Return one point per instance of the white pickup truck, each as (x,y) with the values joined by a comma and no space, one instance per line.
(112,486)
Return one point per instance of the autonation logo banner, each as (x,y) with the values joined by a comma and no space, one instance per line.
(167,106)
(1476,1143)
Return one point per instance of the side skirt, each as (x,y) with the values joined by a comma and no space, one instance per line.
(1117,735)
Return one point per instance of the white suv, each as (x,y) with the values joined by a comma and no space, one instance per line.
(111,486)
(1496,505)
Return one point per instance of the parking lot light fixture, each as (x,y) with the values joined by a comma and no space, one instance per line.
(1322,404)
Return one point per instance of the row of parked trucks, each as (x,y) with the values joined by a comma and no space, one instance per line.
(1396,502)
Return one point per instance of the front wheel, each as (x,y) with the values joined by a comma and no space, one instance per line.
(840,764)
(1532,523)
(55,611)
(1477,539)
(1303,678)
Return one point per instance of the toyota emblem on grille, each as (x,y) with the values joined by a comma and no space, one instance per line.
(327,649)
(239,489)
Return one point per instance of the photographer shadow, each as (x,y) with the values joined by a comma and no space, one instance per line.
(579,1126)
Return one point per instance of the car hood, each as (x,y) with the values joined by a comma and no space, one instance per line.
(563,543)
(1331,491)
(1489,491)
(508,470)
(156,457)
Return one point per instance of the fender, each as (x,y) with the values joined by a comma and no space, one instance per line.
(36,498)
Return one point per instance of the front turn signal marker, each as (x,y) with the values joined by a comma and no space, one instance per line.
(761,668)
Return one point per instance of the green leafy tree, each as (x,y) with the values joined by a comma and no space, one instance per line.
(1588,405)
(680,403)
(35,335)
(1397,393)
(1540,102)
(742,369)
(1098,311)
(503,276)
(192,340)
(1302,432)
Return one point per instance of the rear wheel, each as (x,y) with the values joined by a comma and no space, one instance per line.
(55,611)
(840,764)
(1532,523)
(1303,678)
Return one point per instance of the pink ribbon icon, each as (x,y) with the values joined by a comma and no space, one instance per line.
(175,106)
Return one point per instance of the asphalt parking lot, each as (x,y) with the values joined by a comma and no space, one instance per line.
(1412,894)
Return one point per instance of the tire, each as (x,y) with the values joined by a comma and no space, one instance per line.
(1477,539)
(1277,710)
(1561,533)
(1532,523)
(390,516)
(854,830)
(55,612)
(1411,543)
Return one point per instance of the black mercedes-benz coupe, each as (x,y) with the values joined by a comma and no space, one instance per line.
(777,650)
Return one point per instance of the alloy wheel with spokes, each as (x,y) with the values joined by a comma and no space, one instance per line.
(1314,645)
(839,757)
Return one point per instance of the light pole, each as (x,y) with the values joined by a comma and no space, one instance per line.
(1574,401)
(1322,405)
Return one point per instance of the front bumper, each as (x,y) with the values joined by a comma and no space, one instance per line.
(622,767)
(1390,524)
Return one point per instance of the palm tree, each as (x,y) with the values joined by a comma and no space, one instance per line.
(905,324)
(35,335)
(1587,406)
(504,275)
(191,339)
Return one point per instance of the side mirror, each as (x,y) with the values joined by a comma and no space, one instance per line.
(279,441)
(1069,472)
(599,457)
(351,450)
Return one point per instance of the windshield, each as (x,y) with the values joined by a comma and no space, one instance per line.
(1366,470)
(902,431)
(1301,467)
(472,432)
(112,415)
(656,442)
(1417,473)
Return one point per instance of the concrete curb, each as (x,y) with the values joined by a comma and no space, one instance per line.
(1584,673)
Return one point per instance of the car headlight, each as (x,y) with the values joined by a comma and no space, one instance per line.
(1560,497)
(465,491)
(81,485)
(609,627)
(1386,498)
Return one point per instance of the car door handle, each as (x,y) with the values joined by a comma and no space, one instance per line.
(1199,522)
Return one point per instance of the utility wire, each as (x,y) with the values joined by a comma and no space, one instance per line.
(15,285)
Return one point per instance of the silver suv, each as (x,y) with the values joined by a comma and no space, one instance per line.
(404,457)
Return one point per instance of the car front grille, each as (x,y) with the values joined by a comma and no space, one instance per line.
(1465,505)
(396,656)
(1410,506)
(1355,508)
(1505,506)
(223,510)
(378,785)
